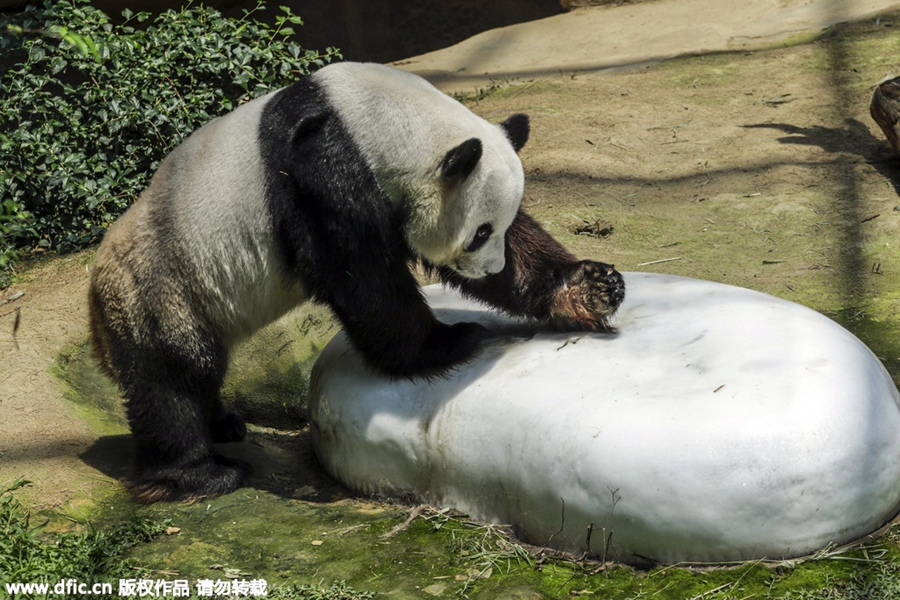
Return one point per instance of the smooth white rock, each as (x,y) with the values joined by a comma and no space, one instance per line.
(718,424)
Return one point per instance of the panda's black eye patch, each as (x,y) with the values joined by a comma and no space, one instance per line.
(481,236)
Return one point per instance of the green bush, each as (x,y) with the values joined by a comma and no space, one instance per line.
(89,109)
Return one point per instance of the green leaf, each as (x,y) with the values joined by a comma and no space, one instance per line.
(36,53)
(57,64)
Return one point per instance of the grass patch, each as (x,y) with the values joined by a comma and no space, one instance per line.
(709,71)
(495,87)
(868,45)
(28,555)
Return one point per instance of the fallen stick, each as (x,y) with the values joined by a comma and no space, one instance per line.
(656,262)
(12,298)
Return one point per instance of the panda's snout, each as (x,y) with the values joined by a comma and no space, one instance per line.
(495,266)
(489,268)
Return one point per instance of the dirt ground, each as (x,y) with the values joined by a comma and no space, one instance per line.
(40,434)
(760,169)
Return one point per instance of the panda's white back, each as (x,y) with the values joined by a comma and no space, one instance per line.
(209,214)
(215,189)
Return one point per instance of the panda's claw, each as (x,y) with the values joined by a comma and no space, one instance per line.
(588,296)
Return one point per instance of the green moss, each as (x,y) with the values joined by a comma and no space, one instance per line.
(256,534)
(267,382)
(863,45)
(268,378)
(94,398)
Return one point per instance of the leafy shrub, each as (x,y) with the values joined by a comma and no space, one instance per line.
(89,109)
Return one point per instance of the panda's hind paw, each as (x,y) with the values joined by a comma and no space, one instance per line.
(214,476)
(590,294)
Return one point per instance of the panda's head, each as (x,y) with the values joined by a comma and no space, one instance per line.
(480,182)
(456,177)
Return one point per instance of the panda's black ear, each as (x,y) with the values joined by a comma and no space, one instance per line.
(460,162)
(517,130)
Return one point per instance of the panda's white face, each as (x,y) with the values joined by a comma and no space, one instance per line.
(484,255)
(463,213)
(488,200)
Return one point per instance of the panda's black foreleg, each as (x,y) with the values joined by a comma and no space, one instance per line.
(176,416)
(392,326)
(544,281)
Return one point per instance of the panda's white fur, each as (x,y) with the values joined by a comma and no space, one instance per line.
(324,190)
(404,136)
(403,127)
(232,249)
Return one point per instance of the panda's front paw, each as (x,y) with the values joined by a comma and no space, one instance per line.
(447,347)
(451,345)
(589,295)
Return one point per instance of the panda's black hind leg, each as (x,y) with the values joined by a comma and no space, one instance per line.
(176,416)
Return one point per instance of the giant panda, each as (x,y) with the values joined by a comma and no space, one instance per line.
(326,190)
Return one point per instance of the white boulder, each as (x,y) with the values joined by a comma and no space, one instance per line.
(718,424)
